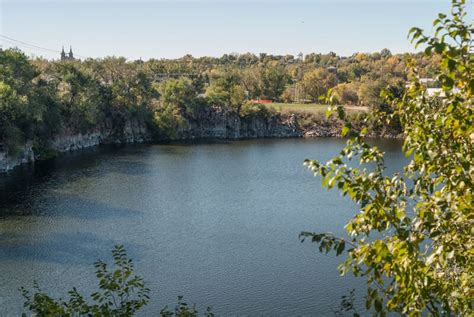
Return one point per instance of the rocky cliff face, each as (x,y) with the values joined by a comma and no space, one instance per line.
(229,125)
(131,131)
(207,124)
(23,155)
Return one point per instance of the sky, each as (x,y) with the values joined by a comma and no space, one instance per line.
(171,29)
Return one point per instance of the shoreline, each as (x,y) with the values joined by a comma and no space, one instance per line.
(215,124)
(188,141)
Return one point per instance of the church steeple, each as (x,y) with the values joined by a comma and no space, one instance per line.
(63,54)
(67,57)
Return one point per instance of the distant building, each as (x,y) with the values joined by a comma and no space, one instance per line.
(69,56)
(427,81)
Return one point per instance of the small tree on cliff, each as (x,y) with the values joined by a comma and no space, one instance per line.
(421,258)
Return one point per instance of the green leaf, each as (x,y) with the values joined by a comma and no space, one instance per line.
(345,131)
(340,247)
(378,305)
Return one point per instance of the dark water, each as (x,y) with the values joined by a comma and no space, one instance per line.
(216,222)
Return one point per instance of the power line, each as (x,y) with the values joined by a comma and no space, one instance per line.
(21,43)
(27,49)
(9,39)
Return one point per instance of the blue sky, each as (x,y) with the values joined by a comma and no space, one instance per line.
(169,29)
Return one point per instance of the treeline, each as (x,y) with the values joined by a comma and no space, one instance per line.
(41,98)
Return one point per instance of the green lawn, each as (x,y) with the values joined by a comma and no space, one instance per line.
(308,107)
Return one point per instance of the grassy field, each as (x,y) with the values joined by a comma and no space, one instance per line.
(308,107)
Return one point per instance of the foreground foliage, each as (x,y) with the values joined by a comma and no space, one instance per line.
(121,293)
(412,238)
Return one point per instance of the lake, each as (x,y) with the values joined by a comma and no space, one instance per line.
(217,222)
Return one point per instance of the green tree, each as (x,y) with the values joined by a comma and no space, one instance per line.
(317,82)
(12,108)
(226,91)
(252,82)
(17,71)
(77,94)
(274,79)
(369,93)
(180,93)
(412,237)
(169,120)
(125,88)
(385,53)
(345,94)
(20,107)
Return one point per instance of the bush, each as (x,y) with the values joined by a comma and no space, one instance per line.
(122,293)
(256,110)
(169,119)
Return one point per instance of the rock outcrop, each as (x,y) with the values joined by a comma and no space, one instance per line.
(132,131)
(229,125)
(21,156)
(210,123)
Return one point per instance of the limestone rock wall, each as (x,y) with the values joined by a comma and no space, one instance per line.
(23,155)
(229,125)
(210,123)
(131,131)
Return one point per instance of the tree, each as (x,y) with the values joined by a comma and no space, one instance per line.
(412,236)
(180,93)
(274,80)
(288,95)
(169,120)
(369,93)
(12,108)
(125,88)
(78,95)
(225,90)
(385,53)
(20,109)
(345,94)
(252,82)
(17,71)
(317,82)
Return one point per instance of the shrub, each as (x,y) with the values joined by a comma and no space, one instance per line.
(256,110)
(122,293)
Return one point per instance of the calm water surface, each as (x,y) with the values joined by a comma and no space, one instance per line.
(215,222)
